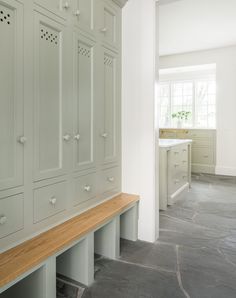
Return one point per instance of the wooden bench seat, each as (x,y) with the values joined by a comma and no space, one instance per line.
(26,256)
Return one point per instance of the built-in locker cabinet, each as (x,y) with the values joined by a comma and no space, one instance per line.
(83,14)
(12,139)
(50,136)
(84,57)
(109,108)
(60,111)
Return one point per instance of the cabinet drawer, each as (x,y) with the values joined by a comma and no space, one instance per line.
(85,188)
(11,215)
(110,179)
(202,156)
(49,200)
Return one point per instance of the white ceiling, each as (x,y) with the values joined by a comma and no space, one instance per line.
(192,25)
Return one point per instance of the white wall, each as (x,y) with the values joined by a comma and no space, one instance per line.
(225,59)
(138,107)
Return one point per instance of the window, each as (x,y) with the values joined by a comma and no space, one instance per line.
(190,94)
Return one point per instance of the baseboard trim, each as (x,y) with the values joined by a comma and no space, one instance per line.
(225,171)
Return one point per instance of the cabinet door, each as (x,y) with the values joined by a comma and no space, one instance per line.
(84,53)
(60,7)
(110,107)
(83,14)
(50,138)
(110,24)
(11,94)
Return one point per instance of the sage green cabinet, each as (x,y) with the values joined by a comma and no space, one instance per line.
(50,135)
(12,139)
(110,114)
(85,54)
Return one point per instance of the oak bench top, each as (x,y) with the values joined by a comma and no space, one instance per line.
(24,257)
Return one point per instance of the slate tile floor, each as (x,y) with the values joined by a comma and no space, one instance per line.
(195,255)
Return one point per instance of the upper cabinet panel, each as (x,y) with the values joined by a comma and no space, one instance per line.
(83,102)
(49,135)
(63,8)
(12,139)
(84,14)
(110,24)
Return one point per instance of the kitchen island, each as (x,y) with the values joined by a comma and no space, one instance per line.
(175,170)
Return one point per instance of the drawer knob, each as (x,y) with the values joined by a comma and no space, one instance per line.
(3,220)
(111,179)
(206,156)
(176,152)
(176,181)
(66,5)
(66,137)
(104,135)
(87,188)
(184,150)
(104,30)
(53,201)
(77,137)
(176,165)
(22,140)
(184,177)
(77,13)
(184,161)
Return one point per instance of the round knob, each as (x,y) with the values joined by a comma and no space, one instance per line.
(176,165)
(3,220)
(77,13)
(66,138)
(77,137)
(53,201)
(111,179)
(104,30)
(176,152)
(66,5)
(176,181)
(184,161)
(22,140)
(104,135)
(87,188)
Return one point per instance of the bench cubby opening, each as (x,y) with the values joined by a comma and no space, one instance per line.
(41,283)
(129,224)
(77,262)
(107,239)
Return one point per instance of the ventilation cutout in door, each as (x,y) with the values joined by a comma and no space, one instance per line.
(48,35)
(108,61)
(84,51)
(5,16)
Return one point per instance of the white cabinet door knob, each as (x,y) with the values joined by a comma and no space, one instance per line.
(22,140)
(66,137)
(77,13)
(111,179)
(176,181)
(66,5)
(87,188)
(53,201)
(104,30)
(104,135)
(77,137)
(3,220)
(176,165)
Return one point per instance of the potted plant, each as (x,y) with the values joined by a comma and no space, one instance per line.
(180,116)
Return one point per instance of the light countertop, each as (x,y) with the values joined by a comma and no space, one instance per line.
(166,143)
